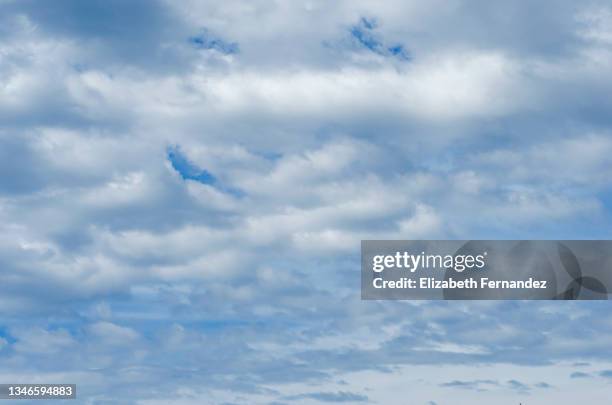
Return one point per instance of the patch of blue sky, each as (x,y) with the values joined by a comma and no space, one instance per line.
(365,37)
(205,40)
(190,171)
(5,336)
(271,156)
(187,169)
(364,33)
(400,52)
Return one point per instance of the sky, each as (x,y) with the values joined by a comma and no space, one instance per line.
(184,187)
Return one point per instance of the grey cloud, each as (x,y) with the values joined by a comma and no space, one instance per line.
(478,385)
(580,374)
(486,385)
(606,373)
(341,396)
(518,386)
(126,32)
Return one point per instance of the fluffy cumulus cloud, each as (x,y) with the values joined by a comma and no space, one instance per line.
(184,185)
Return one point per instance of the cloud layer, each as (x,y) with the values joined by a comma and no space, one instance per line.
(184,188)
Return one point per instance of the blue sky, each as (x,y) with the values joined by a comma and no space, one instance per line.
(183,189)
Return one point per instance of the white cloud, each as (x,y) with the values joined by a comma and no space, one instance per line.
(40,341)
(498,126)
(111,333)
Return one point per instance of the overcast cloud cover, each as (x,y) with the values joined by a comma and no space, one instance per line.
(184,185)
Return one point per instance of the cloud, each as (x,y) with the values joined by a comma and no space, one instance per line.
(488,385)
(606,373)
(478,385)
(341,396)
(115,37)
(579,374)
(518,386)
(184,187)
(112,333)
(40,341)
